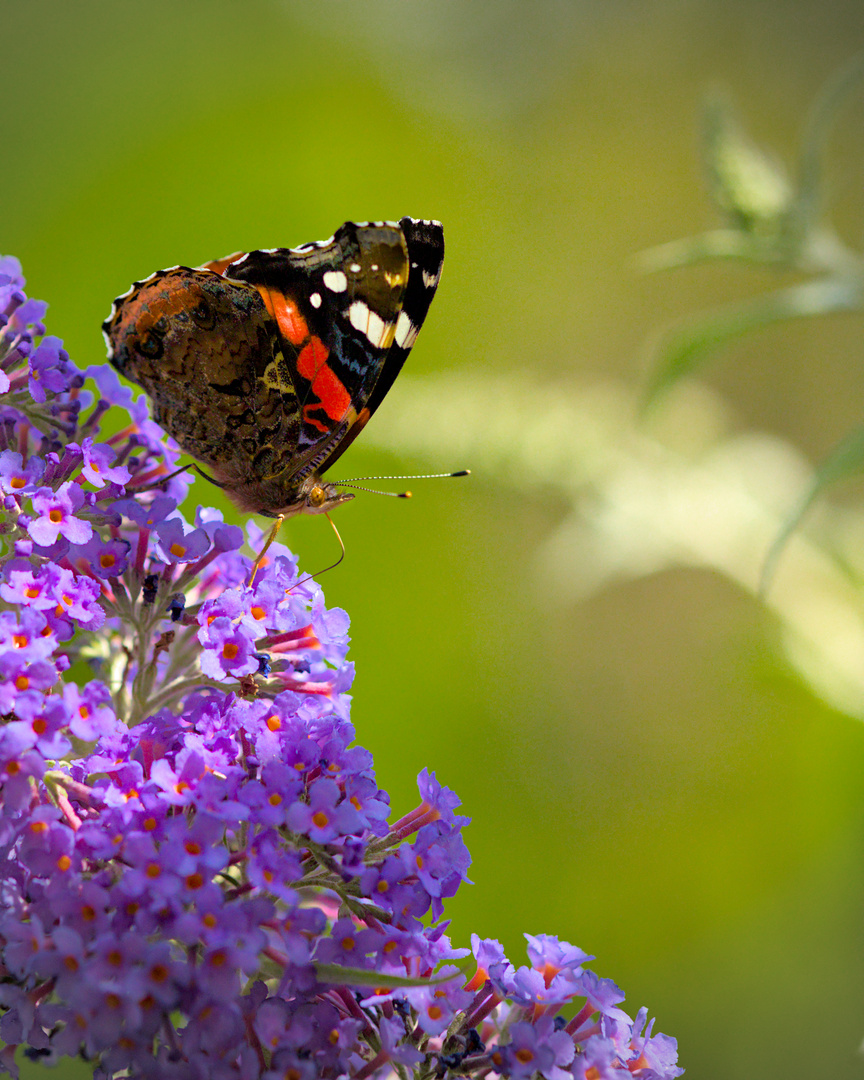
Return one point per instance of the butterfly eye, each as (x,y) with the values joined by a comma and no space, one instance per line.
(317,496)
(204,315)
(151,345)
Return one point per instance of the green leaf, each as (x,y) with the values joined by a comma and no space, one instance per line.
(684,349)
(817,129)
(728,244)
(844,462)
(748,184)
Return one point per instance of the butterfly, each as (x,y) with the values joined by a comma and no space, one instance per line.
(266,366)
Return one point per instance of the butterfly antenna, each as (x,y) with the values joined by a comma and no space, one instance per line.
(277,525)
(398,494)
(374,491)
(412,476)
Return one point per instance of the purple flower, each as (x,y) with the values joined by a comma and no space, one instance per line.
(46,842)
(193,877)
(537,1048)
(325,816)
(598,1060)
(28,315)
(44,362)
(602,995)
(492,964)
(228,652)
(91,714)
(110,387)
(551,955)
(74,596)
(43,722)
(27,633)
(657,1053)
(146,516)
(439,858)
(223,537)
(55,515)
(105,558)
(97,466)
(10,273)
(16,478)
(179,546)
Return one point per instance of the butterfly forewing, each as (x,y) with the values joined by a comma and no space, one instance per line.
(336,306)
(424,241)
(277,371)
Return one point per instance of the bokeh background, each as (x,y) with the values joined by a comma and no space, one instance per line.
(650,773)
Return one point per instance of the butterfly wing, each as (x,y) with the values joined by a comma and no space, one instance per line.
(348,311)
(204,349)
(425,243)
(266,366)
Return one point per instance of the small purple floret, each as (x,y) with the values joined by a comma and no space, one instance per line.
(55,515)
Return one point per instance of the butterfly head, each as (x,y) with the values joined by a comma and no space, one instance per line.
(313,496)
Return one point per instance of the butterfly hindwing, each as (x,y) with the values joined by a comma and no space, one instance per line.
(201,347)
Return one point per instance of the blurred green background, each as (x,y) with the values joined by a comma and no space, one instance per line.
(648,775)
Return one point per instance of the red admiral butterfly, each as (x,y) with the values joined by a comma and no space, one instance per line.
(266,366)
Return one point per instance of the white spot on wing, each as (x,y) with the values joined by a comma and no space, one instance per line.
(406,331)
(355,268)
(335,281)
(431,280)
(315,300)
(365,320)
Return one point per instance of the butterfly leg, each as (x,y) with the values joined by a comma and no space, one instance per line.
(131,489)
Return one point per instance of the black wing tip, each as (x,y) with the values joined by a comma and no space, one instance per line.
(423,231)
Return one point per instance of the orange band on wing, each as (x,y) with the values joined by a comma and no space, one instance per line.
(326,385)
(331,393)
(332,396)
(284,311)
(307,418)
(312,358)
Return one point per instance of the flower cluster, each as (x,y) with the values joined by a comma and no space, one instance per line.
(199,880)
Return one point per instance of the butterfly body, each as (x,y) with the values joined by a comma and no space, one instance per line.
(265,366)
